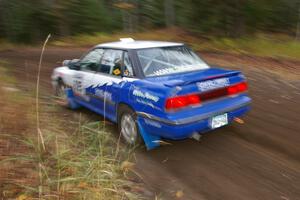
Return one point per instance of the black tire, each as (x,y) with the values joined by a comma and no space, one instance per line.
(60,93)
(135,139)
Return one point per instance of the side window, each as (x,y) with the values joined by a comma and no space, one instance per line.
(91,61)
(111,62)
(128,70)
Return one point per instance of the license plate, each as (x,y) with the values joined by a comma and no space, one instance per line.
(219,121)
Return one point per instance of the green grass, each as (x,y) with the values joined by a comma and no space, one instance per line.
(264,45)
(5,78)
(5,45)
(261,45)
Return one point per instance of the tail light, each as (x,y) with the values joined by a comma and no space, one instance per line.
(177,102)
(182,101)
(237,88)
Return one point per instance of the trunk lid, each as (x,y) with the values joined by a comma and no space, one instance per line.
(185,79)
(190,89)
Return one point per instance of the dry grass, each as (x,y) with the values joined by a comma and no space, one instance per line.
(14,124)
(80,160)
(13,106)
(80,165)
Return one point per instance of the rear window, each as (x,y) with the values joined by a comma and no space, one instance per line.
(169,60)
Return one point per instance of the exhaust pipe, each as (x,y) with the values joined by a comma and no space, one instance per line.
(196,136)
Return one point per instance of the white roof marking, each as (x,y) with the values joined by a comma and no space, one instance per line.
(126,40)
(138,44)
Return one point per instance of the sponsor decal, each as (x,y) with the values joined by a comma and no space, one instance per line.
(178,69)
(147,103)
(152,123)
(213,84)
(128,79)
(145,95)
(77,86)
(117,72)
(103,94)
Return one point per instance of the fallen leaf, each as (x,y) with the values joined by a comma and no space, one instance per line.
(239,120)
(126,166)
(274,101)
(82,185)
(285,198)
(22,197)
(161,142)
(179,194)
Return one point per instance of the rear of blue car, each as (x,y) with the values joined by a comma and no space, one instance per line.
(157,90)
(197,102)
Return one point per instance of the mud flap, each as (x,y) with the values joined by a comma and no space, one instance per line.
(71,101)
(151,141)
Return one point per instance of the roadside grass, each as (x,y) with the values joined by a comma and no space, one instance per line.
(10,102)
(6,45)
(14,123)
(8,80)
(85,164)
(82,159)
(263,45)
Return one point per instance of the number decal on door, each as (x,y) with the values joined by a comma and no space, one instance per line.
(77,86)
(79,89)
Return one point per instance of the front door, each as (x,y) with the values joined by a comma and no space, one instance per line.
(109,76)
(85,77)
(97,83)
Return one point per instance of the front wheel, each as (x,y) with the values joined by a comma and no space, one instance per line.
(127,126)
(60,93)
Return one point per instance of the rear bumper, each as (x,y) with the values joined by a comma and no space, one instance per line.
(185,127)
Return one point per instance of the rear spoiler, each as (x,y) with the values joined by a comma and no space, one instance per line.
(173,83)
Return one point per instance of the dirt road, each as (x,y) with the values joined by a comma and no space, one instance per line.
(259,159)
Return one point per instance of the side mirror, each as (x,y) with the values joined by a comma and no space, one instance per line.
(72,64)
(66,62)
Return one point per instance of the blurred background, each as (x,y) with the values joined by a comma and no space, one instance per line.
(254,158)
(29,21)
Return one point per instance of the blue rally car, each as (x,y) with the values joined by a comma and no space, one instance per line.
(152,90)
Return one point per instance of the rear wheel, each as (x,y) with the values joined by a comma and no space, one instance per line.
(127,126)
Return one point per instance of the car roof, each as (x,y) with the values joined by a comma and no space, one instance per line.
(128,43)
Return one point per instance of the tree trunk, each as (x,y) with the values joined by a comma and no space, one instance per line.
(298,25)
(238,28)
(169,13)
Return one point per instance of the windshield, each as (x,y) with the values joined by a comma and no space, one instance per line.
(169,60)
